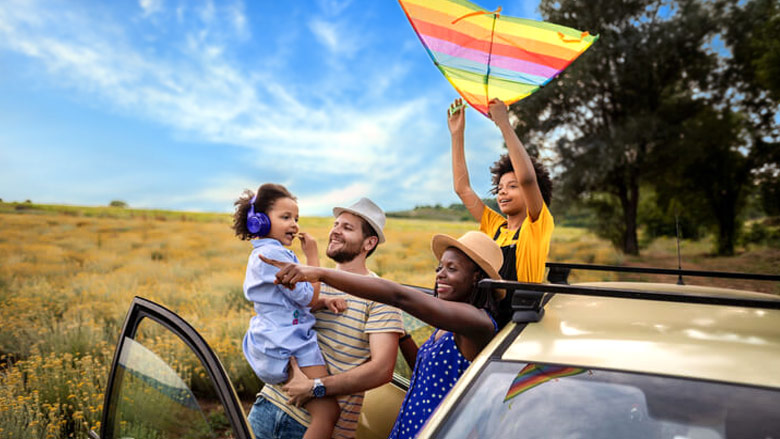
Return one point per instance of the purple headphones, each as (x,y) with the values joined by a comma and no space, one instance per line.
(257,223)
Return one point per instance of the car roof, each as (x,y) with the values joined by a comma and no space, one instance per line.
(711,342)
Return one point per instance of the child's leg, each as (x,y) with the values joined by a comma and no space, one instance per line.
(324,411)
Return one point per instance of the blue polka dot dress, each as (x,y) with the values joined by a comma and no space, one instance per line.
(438,366)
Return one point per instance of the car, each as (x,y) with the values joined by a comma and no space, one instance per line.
(623,360)
(591,360)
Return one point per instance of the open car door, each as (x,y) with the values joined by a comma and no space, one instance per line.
(166,382)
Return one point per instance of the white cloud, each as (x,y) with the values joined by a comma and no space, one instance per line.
(335,37)
(199,89)
(150,7)
(324,202)
(333,8)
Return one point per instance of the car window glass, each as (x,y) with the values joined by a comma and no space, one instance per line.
(163,391)
(420,331)
(511,399)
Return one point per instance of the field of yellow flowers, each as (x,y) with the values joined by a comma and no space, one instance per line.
(67,276)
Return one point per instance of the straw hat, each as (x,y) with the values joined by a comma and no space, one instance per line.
(479,248)
(370,212)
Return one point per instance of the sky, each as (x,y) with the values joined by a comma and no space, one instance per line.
(183,104)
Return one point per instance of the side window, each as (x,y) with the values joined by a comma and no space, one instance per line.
(161,387)
(419,330)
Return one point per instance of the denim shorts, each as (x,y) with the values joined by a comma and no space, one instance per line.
(270,422)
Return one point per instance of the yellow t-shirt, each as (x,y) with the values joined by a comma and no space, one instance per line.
(533,241)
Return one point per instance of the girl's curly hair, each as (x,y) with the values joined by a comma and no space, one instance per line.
(504,165)
(267,195)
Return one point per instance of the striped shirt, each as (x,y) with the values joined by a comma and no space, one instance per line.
(343,339)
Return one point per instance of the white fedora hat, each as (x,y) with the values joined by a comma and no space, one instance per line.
(370,212)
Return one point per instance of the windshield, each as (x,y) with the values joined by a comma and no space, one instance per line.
(527,400)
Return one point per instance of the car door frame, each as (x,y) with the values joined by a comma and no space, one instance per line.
(142,308)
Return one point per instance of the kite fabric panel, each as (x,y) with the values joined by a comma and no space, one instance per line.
(487,55)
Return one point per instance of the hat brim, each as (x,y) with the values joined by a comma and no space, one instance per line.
(339,210)
(440,243)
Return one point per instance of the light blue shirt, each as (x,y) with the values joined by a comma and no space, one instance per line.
(282,325)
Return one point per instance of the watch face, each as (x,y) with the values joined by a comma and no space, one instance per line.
(319,390)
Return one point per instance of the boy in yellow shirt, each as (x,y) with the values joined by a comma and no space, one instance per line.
(523,189)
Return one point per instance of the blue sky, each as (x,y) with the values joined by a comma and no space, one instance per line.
(183,104)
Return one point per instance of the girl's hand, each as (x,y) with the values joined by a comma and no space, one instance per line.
(456,117)
(335,304)
(498,112)
(308,244)
(298,386)
(290,274)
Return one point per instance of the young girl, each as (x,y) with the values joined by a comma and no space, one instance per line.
(462,313)
(522,187)
(282,325)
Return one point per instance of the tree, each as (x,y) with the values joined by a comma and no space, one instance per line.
(751,83)
(118,203)
(608,113)
(712,179)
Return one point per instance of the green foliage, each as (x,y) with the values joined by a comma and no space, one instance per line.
(606,116)
(118,203)
(607,225)
(762,233)
(713,178)
(437,212)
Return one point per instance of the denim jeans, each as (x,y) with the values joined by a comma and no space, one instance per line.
(270,422)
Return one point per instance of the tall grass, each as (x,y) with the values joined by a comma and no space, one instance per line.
(67,276)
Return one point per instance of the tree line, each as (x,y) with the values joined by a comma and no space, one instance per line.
(675,107)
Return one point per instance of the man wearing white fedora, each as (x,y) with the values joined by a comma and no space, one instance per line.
(359,344)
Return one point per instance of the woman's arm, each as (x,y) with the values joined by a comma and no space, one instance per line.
(521,161)
(456,317)
(456,121)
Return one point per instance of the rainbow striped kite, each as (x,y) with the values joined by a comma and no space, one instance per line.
(533,375)
(487,55)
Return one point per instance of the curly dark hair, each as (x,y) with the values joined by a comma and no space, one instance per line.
(267,195)
(504,165)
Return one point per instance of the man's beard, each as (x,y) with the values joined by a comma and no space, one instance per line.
(346,253)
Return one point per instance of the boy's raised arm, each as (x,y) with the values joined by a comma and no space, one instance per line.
(456,121)
(521,161)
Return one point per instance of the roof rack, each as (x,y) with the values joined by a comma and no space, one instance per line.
(528,299)
(559,272)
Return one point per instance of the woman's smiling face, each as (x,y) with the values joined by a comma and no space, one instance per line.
(284,220)
(455,276)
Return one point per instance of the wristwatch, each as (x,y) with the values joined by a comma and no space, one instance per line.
(318,389)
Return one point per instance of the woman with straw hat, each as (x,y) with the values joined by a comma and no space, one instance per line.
(462,313)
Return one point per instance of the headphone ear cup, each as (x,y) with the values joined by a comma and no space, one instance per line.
(258,224)
(263,224)
(252,224)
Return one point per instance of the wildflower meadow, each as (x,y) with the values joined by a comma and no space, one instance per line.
(68,274)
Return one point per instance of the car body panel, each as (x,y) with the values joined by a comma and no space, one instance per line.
(699,341)
(384,403)
(730,344)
